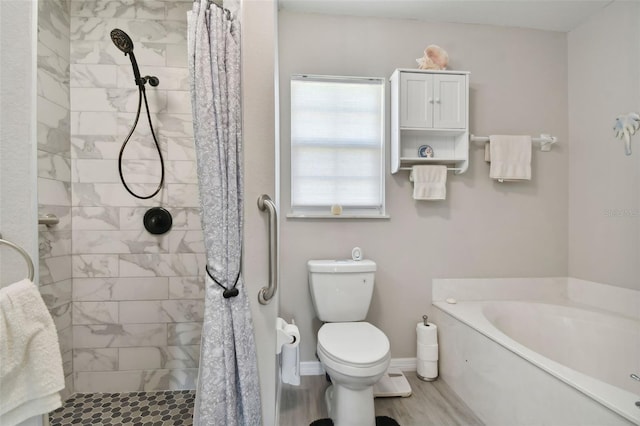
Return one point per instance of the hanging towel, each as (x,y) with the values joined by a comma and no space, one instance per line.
(510,157)
(429,182)
(30,363)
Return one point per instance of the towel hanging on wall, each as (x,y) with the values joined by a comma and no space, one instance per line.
(510,157)
(31,370)
(429,182)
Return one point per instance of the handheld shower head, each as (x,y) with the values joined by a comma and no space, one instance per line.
(125,44)
(122,40)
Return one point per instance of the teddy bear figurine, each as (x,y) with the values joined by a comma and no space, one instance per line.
(435,58)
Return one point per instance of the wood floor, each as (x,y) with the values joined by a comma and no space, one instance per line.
(431,404)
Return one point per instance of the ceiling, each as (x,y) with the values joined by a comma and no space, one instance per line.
(552,15)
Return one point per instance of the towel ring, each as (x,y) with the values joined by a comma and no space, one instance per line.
(24,254)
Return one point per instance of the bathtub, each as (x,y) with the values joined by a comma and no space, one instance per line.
(547,360)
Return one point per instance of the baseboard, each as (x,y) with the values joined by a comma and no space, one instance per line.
(311,368)
(314,368)
(404,364)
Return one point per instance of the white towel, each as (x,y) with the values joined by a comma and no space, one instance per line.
(429,182)
(30,363)
(510,157)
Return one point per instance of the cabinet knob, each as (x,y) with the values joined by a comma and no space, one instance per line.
(430,100)
(437,100)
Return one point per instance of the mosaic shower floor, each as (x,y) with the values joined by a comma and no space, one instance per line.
(170,408)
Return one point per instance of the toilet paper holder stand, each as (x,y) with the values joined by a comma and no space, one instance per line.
(424,320)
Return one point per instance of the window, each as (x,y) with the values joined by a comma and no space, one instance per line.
(337,146)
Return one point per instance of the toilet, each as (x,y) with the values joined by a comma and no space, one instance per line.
(354,353)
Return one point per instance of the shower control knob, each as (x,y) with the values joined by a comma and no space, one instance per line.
(157,220)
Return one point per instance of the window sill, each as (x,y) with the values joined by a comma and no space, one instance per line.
(336,216)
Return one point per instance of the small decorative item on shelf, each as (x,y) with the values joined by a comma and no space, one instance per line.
(425,151)
(627,125)
(435,58)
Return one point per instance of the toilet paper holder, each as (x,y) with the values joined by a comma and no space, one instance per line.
(424,320)
(286,334)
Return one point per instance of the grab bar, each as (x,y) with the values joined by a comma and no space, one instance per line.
(266,293)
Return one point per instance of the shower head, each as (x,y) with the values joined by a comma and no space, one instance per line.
(122,41)
(125,44)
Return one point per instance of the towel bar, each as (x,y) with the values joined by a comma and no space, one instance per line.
(24,254)
(545,140)
(448,168)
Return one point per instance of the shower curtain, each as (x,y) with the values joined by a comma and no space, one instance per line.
(228,391)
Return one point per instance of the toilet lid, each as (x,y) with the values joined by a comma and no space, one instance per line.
(353,342)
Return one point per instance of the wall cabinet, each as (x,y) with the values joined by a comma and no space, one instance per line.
(429,108)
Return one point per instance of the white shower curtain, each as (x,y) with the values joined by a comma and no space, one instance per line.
(228,391)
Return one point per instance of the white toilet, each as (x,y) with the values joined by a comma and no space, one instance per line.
(354,353)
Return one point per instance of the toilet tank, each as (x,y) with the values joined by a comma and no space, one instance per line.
(341,290)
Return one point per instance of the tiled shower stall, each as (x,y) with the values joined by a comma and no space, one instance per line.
(128,304)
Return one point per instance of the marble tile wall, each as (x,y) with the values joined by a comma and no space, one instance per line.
(137,297)
(54,171)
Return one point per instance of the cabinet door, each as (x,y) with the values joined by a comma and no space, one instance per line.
(416,100)
(450,101)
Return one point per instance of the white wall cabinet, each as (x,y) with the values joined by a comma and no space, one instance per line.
(429,108)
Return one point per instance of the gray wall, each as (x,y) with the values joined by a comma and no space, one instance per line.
(484,228)
(604,184)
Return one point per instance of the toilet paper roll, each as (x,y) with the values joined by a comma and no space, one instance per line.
(427,370)
(427,352)
(427,335)
(286,334)
(290,364)
(292,331)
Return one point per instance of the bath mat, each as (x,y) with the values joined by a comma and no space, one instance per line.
(380,421)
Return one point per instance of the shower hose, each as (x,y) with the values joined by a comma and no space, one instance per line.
(142,95)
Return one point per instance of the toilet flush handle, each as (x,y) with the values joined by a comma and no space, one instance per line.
(356,254)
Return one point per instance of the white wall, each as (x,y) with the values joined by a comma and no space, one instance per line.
(18,171)
(18,212)
(604,184)
(483,229)
(258,110)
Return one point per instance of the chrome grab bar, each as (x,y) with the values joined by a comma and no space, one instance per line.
(266,293)
(48,219)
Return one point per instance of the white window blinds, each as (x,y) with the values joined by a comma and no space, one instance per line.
(337,141)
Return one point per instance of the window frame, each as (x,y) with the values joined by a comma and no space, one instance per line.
(347,212)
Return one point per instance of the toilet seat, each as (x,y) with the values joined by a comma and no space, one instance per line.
(353,348)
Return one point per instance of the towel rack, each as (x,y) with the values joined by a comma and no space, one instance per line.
(448,168)
(545,140)
(24,254)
